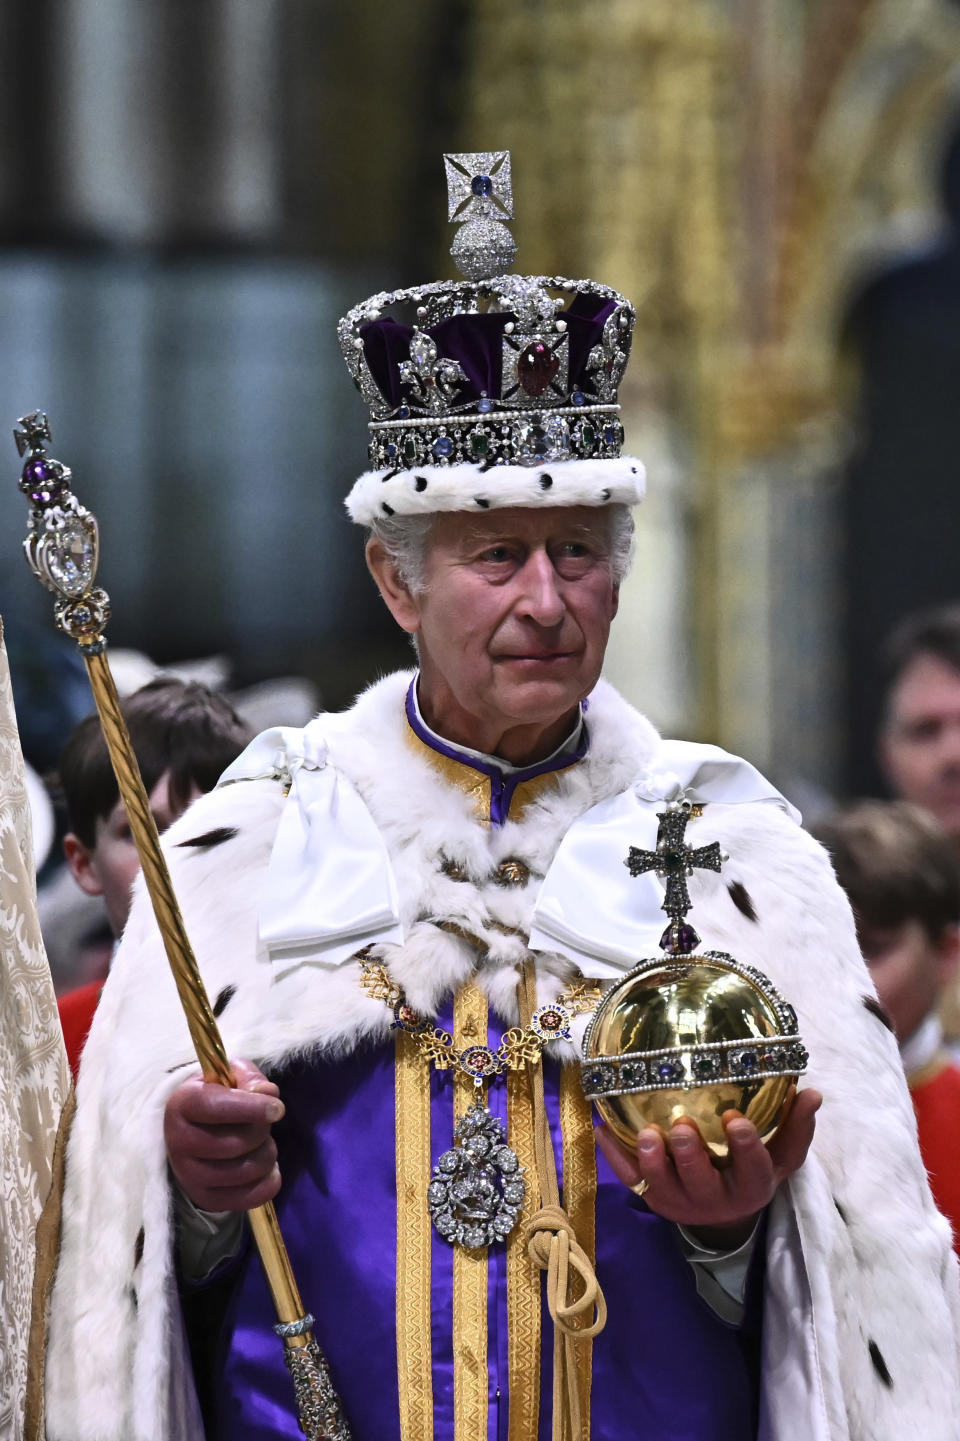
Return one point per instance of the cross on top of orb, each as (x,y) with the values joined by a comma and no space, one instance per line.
(673,861)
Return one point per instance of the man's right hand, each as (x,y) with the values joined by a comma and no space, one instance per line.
(219,1143)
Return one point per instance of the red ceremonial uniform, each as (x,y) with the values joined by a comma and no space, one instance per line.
(935,1090)
(76,1017)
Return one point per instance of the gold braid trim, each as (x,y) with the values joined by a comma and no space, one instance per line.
(470,1379)
(414,1346)
(523,1274)
(579,1202)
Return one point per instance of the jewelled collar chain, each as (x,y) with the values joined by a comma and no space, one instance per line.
(521,1045)
(477,1188)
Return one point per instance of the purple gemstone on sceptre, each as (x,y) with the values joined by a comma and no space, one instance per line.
(679,940)
(41,482)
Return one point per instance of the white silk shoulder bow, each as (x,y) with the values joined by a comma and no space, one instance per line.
(330,886)
(331,889)
(589,907)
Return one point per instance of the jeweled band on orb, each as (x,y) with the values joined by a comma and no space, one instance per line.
(686,1067)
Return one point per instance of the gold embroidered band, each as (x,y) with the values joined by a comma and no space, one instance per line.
(414,1348)
(523,1274)
(470,1380)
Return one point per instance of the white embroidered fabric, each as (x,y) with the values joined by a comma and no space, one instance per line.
(34,1079)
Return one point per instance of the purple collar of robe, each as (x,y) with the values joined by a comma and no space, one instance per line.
(503,778)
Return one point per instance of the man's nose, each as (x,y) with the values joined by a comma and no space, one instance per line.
(541,599)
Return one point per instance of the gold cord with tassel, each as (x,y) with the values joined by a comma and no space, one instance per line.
(578,1311)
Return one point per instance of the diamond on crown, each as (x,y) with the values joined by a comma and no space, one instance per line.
(526,297)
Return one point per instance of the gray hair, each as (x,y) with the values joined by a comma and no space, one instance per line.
(405,537)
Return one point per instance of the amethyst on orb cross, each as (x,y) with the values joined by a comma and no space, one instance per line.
(674,860)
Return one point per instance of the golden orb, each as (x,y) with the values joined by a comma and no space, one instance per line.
(692,1037)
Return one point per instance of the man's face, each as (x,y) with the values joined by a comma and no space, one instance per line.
(513,625)
(909,970)
(110,866)
(920,744)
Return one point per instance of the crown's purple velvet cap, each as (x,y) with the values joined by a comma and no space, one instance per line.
(476,341)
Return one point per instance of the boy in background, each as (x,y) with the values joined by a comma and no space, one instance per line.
(184,737)
(902,875)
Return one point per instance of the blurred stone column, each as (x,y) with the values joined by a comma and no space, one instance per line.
(167,120)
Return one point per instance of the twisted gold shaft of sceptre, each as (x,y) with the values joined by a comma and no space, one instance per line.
(62,550)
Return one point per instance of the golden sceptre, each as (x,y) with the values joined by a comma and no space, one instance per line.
(62,550)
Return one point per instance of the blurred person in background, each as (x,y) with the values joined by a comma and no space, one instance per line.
(902,876)
(184,735)
(919,743)
(919,739)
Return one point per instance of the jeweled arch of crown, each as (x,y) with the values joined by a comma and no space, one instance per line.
(495,369)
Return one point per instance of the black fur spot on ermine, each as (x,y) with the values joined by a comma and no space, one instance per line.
(874,1007)
(879,1364)
(210,838)
(223,1000)
(741,899)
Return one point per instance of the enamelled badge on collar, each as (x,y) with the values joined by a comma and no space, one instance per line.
(688,1035)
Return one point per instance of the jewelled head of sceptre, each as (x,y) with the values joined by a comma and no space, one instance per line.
(62,546)
(494,389)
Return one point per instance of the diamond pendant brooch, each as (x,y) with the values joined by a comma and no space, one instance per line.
(477,1188)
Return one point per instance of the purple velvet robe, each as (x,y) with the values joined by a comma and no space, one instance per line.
(664,1368)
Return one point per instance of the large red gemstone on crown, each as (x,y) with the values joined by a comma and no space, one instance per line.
(536,367)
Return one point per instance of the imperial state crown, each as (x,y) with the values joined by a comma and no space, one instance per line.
(494,389)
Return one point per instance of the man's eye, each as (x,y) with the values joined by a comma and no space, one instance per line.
(496,554)
(923,730)
(574,557)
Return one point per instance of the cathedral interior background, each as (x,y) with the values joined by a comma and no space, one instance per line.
(192,193)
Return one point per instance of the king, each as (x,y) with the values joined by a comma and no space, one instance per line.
(406,914)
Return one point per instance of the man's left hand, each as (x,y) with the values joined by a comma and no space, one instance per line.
(683,1185)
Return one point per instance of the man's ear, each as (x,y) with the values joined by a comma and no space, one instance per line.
(82,865)
(401,604)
